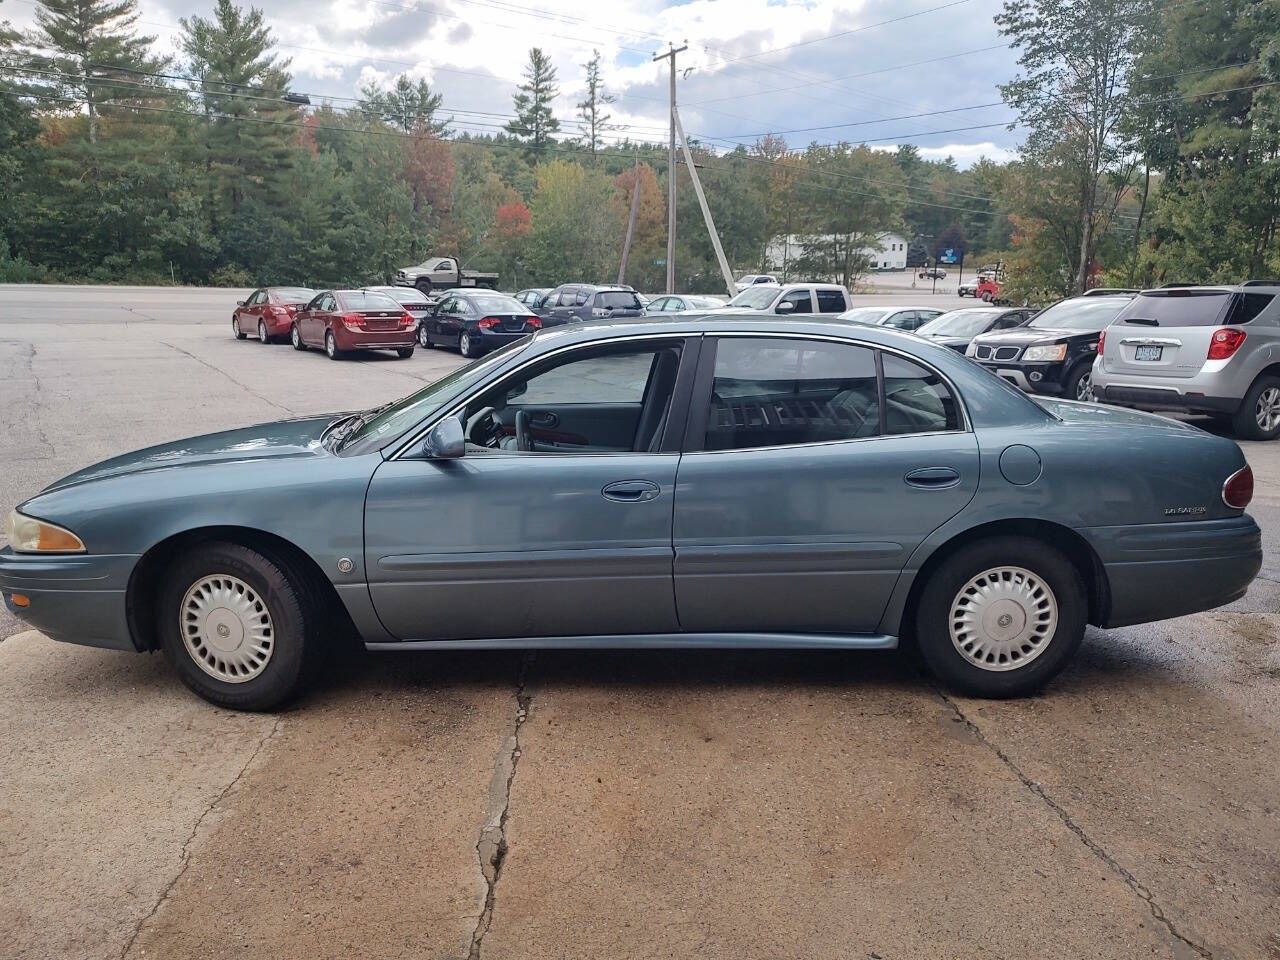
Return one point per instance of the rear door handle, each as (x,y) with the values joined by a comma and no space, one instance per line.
(933,478)
(631,491)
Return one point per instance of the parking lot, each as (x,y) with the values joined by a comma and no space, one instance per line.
(650,804)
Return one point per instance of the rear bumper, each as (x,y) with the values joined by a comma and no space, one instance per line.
(78,599)
(278,326)
(1162,570)
(1160,393)
(375,339)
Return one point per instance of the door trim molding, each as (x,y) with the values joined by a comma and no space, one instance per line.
(659,641)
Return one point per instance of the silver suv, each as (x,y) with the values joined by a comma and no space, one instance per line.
(1200,349)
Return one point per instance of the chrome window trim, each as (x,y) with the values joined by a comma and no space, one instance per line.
(415,436)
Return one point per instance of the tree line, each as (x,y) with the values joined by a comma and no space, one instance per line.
(1150,155)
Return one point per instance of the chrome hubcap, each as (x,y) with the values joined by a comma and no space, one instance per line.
(235,326)
(262,331)
(226,628)
(330,347)
(1268,410)
(465,344)
(293,335)
(1003,618)
(1084,389)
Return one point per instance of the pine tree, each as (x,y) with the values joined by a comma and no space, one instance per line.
(99,60)
(242,84)
(535,123)
(407,105)
(591,108)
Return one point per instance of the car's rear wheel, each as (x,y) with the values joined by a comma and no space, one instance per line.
(331,346)
(1001,617)
(423,284)
(466,346)
(1258,417)
(295,337)
(986,296)
(404,353)
(235,328)
(241,628)
(263,336)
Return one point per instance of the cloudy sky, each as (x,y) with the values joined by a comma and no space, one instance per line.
(822,70)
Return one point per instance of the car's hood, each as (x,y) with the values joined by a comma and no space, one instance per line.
(1021,336)
(284,438)
(1074,411)
(955,343)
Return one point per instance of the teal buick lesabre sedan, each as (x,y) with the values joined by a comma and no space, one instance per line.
(718,481)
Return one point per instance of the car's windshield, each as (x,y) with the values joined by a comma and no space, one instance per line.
(870,315)
(1081,313)
(494,304)
(958,323)
(755,298)
(404,413)
(293,294)
(367,300)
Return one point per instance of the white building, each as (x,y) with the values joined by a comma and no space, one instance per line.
(890,253)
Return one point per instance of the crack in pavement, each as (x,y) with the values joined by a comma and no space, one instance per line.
(184,858)
(242,386)
(491,848)
(1092,845)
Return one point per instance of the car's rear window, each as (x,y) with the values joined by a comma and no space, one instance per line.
(500,305)
(367,300)
(407,295)
(293,294)
(618,299)
(1181,308)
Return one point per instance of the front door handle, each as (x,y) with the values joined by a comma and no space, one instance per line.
(544,418)
(631,491)
(933,478)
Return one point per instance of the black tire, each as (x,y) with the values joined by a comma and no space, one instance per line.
(466,346)
(235,328)
(933,640)
(1079,378)
(423,284)
(331,346)
(404,353)
(424,336)
(295,337)
(263,336)
(986,296)
(1244,422)
(296,618)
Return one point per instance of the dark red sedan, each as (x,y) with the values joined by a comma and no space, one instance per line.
(344,320)
(268,312)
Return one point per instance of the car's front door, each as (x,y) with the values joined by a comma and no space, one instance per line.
(804,488)
(554,541)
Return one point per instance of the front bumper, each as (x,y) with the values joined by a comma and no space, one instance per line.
(78,598)
(1030,377)
(1162,570)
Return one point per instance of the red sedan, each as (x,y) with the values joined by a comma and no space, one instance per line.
(269,312)
(344,320)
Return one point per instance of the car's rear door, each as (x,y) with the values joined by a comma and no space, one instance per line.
(551,542)
(804,488)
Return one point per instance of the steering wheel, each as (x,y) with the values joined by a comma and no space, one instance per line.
(478,419)
(524,441)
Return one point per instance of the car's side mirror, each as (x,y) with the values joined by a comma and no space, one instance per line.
(240,303)
(518,390)
(786,306)
(445,441)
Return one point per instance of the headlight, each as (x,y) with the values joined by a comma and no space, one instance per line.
(29,535)
(1054,352)
(971,350)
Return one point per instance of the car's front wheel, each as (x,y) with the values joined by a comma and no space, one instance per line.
(235,328)
(424,338)
(1001,617)
(241,628)
(1259,415)
(1079,385)
(295,337)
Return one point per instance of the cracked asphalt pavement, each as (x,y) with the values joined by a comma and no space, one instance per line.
(650,804)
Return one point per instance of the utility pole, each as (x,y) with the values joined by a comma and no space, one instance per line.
(631,227)
(671,169)
(702,202)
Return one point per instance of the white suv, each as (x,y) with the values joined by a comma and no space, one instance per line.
(791,298)
(1201,349)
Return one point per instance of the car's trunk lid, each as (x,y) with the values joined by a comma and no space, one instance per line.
(1167,333)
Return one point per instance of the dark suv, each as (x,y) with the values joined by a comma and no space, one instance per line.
(1054,352)
(571,302)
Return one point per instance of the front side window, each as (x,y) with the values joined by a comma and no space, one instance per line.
(799,300)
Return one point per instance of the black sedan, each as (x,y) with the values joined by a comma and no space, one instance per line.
(476,322)
(411,298)
(956,328)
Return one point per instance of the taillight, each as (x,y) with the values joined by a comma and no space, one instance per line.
(1102,342)
(1224,343)
(1238,490)
(533,323)
(488,323)
(353,321)
(406,319)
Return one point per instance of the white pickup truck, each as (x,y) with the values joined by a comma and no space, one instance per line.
(442,273)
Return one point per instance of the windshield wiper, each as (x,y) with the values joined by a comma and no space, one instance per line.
(1143,321)
(358,421)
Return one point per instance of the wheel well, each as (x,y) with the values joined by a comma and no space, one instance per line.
(148,577)
(1072,545)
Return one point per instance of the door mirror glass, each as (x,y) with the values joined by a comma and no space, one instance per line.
(518,390)
(445,440)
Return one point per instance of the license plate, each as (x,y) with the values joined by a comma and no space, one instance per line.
(1147,353)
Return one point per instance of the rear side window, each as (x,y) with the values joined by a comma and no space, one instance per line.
(1177,308)
(915,399)
(831,301)
(1248,306)
(618,299)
